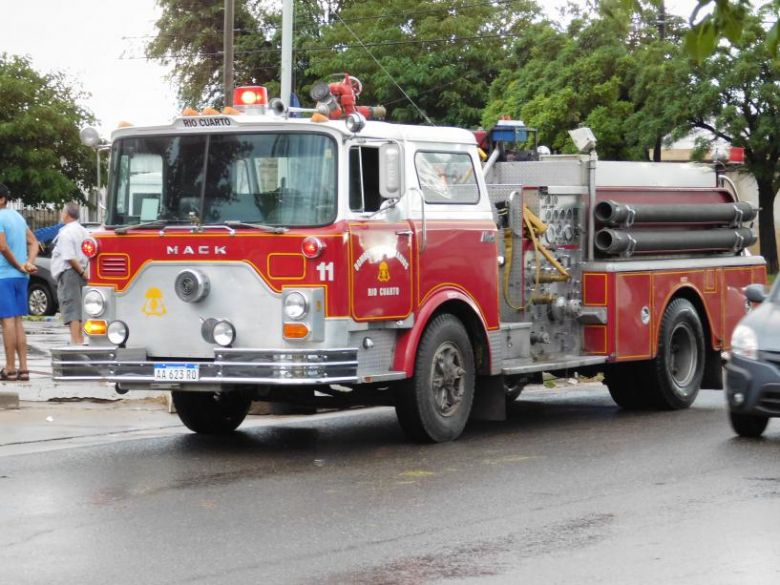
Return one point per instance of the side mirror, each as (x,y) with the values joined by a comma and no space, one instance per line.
(755,293)
(390,171)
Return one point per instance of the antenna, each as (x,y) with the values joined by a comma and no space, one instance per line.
(370,54)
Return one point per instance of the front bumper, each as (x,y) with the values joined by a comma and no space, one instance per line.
(132,366)
(758,383)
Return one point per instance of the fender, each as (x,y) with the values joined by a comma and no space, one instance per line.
(406,348)
(688,290)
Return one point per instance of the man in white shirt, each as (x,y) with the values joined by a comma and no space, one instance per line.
(68,268)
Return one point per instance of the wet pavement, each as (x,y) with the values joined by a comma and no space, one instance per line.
(568,490)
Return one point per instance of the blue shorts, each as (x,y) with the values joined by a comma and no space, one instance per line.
(13,297)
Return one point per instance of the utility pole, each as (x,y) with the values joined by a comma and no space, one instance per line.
(230,6)
(287,41)
(661,22)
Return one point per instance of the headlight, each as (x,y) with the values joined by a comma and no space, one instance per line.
(224,333)
(295,306)
(117,332)
(94,303)
(744,342)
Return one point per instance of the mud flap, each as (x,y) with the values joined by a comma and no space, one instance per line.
(713,371)
(489,399)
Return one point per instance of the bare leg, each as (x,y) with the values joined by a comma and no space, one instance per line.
(76,338)
(9,343)
(21,343)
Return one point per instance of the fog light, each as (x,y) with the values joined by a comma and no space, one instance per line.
(94,303)
(95,327)
(117,332)
(224,333)
(738,398)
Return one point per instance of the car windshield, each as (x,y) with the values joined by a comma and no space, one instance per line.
(279,179)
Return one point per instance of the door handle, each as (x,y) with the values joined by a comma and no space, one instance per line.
(404,233)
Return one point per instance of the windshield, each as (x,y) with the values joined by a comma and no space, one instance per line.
(284,179)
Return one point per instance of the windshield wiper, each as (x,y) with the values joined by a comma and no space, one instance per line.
(274,229)
(123,229)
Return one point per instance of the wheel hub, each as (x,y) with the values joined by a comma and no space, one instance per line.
(683,358)
(447,379)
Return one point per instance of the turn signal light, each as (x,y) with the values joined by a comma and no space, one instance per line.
(95,327)
(90,247)
(312,247)
(295,330)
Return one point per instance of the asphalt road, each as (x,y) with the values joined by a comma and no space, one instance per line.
(569,490)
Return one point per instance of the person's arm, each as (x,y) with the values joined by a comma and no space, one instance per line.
(32,252)
(8,255)
(76,265)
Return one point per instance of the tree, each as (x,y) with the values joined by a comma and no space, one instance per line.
(190,37)
(734,96)
(427,61)
(41,155)
(604,71)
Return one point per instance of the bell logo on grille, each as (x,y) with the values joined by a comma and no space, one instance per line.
(154,305)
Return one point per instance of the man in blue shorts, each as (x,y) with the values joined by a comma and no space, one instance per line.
(18,250)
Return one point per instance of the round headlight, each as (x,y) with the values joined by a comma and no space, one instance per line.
(224,333)
(117,332)
(295,306)
(744,342)
(94,303)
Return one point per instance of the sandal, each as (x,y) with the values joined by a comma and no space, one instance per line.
(7,376)
(23,376)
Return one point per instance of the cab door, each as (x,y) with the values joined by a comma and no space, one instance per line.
(381,246)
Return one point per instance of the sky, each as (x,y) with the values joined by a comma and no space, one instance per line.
(99,45)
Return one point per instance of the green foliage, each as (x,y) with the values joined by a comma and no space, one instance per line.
(444,54)
(41,155)
(734,96)
(604,72)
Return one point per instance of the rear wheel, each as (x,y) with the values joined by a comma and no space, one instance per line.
(212,413)
(748,425)
(676,373)
(434,405)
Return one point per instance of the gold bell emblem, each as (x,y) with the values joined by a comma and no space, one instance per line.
(154,305)
(384,272)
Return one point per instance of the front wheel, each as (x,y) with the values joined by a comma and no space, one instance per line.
(434,405)
(40,300)
(212,413)
(748,425)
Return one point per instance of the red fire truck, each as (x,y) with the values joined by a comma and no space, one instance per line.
(264,253)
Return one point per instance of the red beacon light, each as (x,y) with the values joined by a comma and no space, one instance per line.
(248,98)
(312,247)
(90,247)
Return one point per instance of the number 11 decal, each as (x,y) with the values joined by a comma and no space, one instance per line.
(326,271)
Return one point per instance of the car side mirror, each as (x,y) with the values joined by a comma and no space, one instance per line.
(390,171)
(755,293)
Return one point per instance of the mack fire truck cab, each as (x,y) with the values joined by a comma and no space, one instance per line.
(266,256)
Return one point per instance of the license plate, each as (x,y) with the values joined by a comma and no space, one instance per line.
(176,372)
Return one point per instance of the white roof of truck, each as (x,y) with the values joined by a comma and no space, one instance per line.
(247,122)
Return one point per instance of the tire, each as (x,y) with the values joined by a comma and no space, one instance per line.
(40,300)
(748,425)
(434,405)
(675,375)
(626,385)
(212,413)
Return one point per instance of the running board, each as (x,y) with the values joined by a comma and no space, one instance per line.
(565,362)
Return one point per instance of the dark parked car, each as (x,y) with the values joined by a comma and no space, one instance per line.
(753,368)
(42,290)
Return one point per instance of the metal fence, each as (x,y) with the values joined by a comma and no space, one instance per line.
(44,215)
